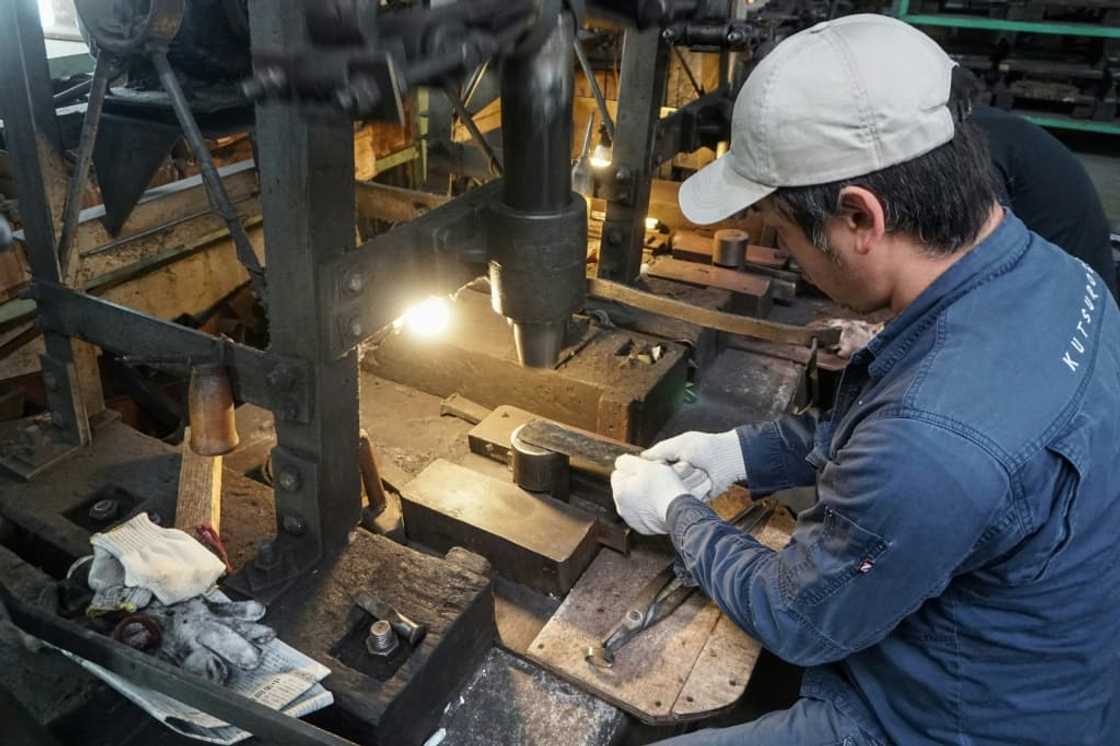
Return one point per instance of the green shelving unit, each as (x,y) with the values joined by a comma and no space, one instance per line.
(1032,27)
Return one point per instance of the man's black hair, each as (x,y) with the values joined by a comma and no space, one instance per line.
(942,198)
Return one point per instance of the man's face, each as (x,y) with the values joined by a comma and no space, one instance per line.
(847,277)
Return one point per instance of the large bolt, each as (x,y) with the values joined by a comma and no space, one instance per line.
(288,480)
(382,639)
(355,282)
(614,235)
(355,327)
(50,380)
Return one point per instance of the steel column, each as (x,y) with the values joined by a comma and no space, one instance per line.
(645,65)
(27,128)
(307,202)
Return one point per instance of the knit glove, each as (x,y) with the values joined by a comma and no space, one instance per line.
(643,491)
(211,638)
(719,455)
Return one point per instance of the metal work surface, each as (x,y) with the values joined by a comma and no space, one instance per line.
(603,386)
(691,664)
(512,702)
(531,539)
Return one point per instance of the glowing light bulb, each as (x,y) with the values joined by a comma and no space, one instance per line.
(429,318)
(651,223)
(601,156)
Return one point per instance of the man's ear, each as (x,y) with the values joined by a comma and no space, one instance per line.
(862,214)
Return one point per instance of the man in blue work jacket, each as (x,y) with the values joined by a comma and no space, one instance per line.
(958,579)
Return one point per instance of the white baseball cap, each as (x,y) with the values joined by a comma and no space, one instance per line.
(841,99)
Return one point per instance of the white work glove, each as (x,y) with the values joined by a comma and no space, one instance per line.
(206,637)
(643,491)
(719,455)
(106,580)
(172,564)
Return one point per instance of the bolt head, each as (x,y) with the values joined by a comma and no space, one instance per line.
(668,34)
(614,235)
(288,480)
(356,328)
(104,510)
(294,525)
(623,174)
(50,380)
(355,282)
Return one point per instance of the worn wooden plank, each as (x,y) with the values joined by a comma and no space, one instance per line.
(710,275)
(716,680)
(770,331)
(200,489)
(659,669)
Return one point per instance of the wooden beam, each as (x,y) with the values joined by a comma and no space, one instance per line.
(200,490)
(771,331)
(394,204)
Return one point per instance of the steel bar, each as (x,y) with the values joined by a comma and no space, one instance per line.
(75,91)
(69,256)
(600,100)
(124,330)
(148,671)
(476,135)
(215,189)
(770,331)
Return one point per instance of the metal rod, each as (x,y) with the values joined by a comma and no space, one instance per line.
(68,258)
(600,101)
(270,725)
(476,134)
(688,71)
(475,82)
(214,188)
(64,97)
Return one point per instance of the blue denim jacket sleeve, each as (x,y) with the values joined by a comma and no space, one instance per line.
(775,452)
(900,506)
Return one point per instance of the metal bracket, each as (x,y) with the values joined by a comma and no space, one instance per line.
(297,546)
(369,287)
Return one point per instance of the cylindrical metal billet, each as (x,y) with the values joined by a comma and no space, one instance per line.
(538,469)
(729,247)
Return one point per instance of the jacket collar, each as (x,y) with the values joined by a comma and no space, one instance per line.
(995,255)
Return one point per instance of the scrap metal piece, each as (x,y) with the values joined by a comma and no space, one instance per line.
(382,611)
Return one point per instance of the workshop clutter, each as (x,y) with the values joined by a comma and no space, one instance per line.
(153,589)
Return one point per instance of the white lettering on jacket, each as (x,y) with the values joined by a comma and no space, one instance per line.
(1072,356)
